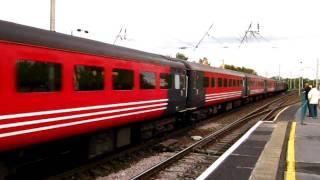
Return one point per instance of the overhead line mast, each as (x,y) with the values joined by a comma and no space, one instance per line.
(205,34)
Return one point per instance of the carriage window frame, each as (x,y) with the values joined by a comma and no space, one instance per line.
(220,82)
(150,78)
(225,82)
(115,82)
(167,77)
(51,84)
(205,82)
(96,75)
(213,82)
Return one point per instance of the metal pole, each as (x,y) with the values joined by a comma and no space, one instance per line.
(52,15)
(299,86)
(279,73)
(301,81)
(317,73)
(301,78)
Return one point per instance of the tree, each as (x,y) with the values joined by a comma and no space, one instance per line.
(181,56)
(204,61)
(240,69)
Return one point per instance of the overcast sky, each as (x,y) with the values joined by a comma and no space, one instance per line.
(290,29)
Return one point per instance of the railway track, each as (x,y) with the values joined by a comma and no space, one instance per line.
(125,159)
(206,150)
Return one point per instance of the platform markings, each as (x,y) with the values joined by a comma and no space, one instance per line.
(291,162)
(226,154)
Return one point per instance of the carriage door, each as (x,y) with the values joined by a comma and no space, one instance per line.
(246,87)
(196,90)
(178,93)
(265,86)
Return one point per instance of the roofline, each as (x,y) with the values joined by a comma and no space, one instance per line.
(16,33)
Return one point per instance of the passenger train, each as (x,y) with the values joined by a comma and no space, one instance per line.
(56,87)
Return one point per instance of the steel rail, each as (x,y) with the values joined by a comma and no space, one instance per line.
(160,166)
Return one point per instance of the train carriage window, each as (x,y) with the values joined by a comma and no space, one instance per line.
(205,82)
(230,82)
(219,82)
(88,78)
(225,83)
(147,80)
(35,76)
(234,83)
(182,82)
(213,82)
(165,81)
(122,79)
(177,81)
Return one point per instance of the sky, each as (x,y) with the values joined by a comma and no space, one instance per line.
(289,29)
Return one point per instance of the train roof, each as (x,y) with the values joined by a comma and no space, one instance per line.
(17,33)
(201,67)
(256,76)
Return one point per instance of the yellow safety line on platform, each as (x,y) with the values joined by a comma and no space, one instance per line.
(291,162)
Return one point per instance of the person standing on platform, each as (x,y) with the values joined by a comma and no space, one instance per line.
(303,107)
(313,97)
(307,88)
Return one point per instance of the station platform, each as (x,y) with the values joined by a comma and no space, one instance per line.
(283,149)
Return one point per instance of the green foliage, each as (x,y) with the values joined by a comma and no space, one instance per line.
(204,61)
(181,56)
(240,69)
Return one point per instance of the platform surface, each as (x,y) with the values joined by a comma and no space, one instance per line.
(307,148)
(259,156)
(241,162)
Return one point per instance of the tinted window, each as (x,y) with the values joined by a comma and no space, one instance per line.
(230,82)
(205,82)
(225,83)
(213,82)
(165,81)
(182,82)
(34,76)
(88,78)
(122,79)
(234,83)
(147,80)
(219,82)
(177,82)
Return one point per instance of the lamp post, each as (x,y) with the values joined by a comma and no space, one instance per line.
(52,15)
(300,79)
(317,73)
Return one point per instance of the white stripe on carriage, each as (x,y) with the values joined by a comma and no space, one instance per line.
(223,93)
(238,94)
(20,115)
(223,97)
(27,131)
(214,99)
(17,124)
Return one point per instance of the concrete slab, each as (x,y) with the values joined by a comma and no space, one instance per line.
(307,148)
(306,176)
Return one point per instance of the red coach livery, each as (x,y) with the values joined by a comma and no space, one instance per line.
(55,86)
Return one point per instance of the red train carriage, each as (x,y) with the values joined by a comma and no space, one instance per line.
(256,85)
(271,85)
(56,86)
(210,86)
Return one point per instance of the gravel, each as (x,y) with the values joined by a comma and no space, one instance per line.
(137,167)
